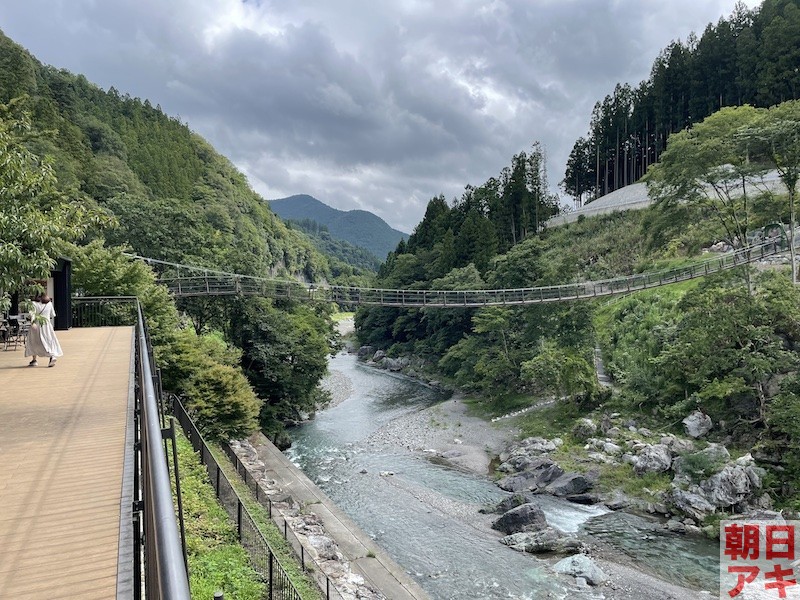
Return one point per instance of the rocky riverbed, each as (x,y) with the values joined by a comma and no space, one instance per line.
(447,433)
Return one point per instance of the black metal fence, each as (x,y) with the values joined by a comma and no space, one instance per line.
(279,586)
(288,534)
(104,311)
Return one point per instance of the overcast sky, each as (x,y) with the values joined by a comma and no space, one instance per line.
(378,105)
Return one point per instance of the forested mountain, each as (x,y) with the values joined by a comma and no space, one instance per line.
(358,227)
(337,250)
(752,57)
(153,186)
(175,197)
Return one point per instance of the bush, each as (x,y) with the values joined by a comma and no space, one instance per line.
(222,402)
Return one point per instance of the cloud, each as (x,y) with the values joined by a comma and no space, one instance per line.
(369,105)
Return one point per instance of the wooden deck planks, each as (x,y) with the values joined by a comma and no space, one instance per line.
(62,445)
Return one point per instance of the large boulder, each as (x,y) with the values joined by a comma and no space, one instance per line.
(697,424)
(537,474)
(732,485)
(545,540)
(691,502)
(581,566)
(653,459)
(569,484)
(701,464)
(525,450)
(523,462)
(364,351)
(507,504)
(527,517)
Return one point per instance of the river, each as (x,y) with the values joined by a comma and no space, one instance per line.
(424,514)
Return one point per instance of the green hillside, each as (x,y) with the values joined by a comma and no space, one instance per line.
(174,196)
(357,227)
(338,251)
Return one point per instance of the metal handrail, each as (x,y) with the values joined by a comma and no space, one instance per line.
(167,577)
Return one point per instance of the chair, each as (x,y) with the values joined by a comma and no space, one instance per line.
(17,331)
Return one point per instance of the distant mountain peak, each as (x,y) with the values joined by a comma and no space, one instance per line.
(358,227)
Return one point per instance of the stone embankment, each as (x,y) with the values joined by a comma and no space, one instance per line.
(356,567)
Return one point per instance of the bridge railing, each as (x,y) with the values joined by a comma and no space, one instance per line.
(165,567)
(220,283)
(555,293)
(104,311)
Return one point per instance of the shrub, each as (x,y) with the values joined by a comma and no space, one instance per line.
(222,402)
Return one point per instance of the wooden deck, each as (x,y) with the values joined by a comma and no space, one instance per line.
(62,453)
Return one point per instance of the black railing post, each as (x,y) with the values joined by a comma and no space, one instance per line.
(271,576)
(238,518)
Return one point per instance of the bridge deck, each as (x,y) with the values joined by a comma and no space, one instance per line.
(62,451)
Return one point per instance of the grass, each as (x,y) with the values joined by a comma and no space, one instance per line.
(216,560)
(499,406)
(552,420)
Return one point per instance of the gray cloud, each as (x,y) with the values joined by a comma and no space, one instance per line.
(366,105)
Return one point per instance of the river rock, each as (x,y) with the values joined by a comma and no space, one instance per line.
(581,566)
(569,484)
(324,546)
(507,504)
(678,445)
(545,540)
(586,499)
(732,485)
(539,472)
(697,424)
(379,356)
(394,364)
(364,351)
(691,502)
(527,517)
(537,445)
(618,502)
(675,526)
(653,459)
(584,428)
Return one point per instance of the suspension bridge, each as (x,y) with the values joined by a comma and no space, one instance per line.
(186,281)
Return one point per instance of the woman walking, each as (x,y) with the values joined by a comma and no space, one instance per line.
(42,340)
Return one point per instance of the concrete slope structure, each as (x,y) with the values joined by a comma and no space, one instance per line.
(634,197)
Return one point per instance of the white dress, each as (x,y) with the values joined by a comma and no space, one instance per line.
(42,340)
